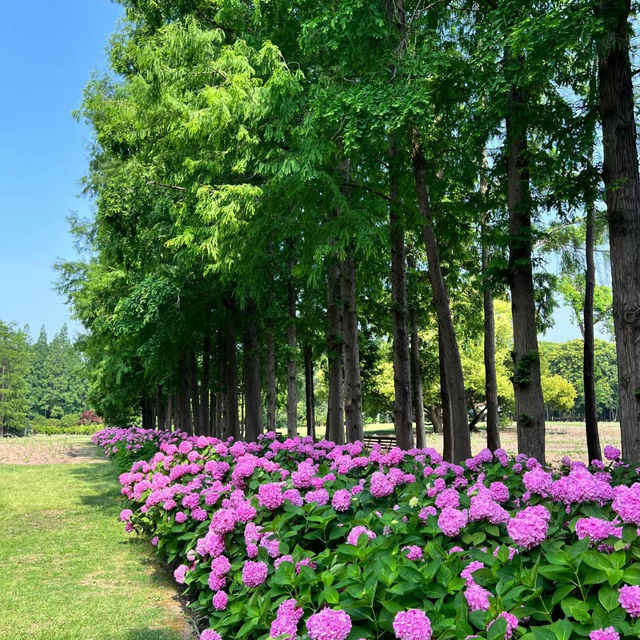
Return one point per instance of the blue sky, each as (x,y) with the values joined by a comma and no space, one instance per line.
(49,48)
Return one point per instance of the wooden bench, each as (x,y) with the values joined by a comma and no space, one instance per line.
(386,442)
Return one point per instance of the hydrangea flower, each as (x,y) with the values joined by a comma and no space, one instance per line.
(254,573)
(210,634)
(329,624)
(219,600)
(512,624)
(477,597)
(412,625)
(356,532)
(611,453)
(629,599)
(452,521)
(528,528)
(604,634)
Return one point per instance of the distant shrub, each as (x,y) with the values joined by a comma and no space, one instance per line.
(89,417)
(70,424)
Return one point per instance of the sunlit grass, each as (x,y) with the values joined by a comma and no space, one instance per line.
(69,571)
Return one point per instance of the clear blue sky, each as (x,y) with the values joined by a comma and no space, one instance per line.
(48,49)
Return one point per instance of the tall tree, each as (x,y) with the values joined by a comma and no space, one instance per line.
(622,185)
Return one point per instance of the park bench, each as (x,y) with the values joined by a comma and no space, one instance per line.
(385,442)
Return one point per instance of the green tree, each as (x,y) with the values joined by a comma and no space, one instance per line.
(14,385)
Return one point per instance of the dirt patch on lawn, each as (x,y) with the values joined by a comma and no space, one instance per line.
(49,450)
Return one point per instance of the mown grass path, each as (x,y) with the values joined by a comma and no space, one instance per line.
(68,570)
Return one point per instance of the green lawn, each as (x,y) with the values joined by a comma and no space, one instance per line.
(69,570)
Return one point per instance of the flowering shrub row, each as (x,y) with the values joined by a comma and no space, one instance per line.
(315,541)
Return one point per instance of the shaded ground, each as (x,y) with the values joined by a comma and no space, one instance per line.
(69,570)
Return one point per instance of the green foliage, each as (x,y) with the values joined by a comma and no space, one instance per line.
(57,376)
(14,386)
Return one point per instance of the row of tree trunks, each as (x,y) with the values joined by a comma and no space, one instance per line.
(622,185)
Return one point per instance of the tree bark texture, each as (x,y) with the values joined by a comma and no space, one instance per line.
(447,431)
(401,363)
(590,403)
(309,391)
(335,407)
(529,404)
(231,426)
(622,185)
(253,398)
(451,353)
(351,354)
(184,422)
(416,381)
(271,379)
(205,381)
(292,364)
(194,390)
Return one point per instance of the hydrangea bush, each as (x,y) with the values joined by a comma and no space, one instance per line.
(312,540)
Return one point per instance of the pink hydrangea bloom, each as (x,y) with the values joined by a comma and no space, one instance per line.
(412,625)
(356,532)
(341,500)
(125,515)
(254,573)
(512,624)
(180,573)
(596,529)
(270,495)
(604,634)
(286,622)
(452,521)
(629,599)
(467,572)
(528,528)
(477,597)
(611,453)
(210,634)
(329,624)
(220,599)
(413,552)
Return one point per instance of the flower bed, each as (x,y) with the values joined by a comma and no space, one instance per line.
(296,538)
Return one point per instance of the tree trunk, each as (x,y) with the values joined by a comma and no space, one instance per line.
(436,418)
(491,378)
(401,364)
(251,350)
(590,402)
(335,408)
(622,184)
(292,368)
(205,381)
(194,389)
(161,409)
(219,421)
(451,353)
(271,379)
(184,410)
(231,425)
(529,404)
(351,355)
(447,432)
(416,381)
(309,392)
(147,412)
(169,424)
